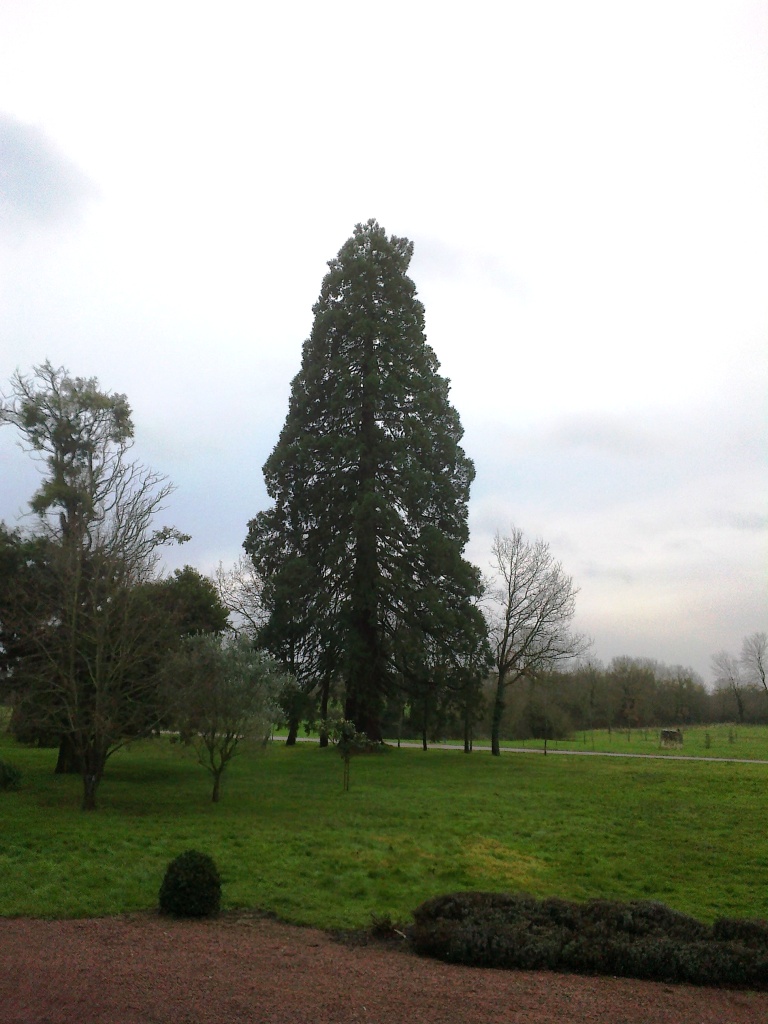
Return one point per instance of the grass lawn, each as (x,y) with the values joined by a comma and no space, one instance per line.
(414,824)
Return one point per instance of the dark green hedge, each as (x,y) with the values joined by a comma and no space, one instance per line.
(640,939)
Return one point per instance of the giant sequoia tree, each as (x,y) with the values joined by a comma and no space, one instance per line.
(362,551)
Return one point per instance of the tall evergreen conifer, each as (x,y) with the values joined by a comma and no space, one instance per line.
(362,551)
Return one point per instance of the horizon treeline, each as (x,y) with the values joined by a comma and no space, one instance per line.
(627,694)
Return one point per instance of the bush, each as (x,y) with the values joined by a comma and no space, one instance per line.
(641,918)
(191,887)
(748,933)
(639,939)
(10,776)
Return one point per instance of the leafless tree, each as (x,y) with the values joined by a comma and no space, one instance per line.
(727,672)
(240,590)
(754,657)
(530,607)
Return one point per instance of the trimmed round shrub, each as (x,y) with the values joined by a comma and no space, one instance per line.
(10,776)
(191,887)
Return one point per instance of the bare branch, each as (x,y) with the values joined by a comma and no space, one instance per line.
(754,658)
(728,677)
(241,591)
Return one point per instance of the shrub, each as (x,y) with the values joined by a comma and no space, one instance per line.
(639,939)
(641,918)
(748,933)
(10,776)
(191,887)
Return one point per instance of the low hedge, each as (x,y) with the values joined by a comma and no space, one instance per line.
(640,939)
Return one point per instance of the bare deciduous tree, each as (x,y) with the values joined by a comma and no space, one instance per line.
(754,657)
(531,603)
(727,674)
(240,590)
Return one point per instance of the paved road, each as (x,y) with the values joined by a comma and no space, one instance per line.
(587,753)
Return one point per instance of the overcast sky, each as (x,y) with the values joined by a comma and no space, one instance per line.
(586,186)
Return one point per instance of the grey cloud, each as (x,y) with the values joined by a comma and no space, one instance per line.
(38,185)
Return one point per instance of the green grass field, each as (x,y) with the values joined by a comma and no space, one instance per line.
(414,824)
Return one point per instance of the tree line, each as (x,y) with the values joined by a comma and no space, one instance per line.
(625,695)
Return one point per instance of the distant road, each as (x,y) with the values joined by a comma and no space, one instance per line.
(585,753)
(567,753)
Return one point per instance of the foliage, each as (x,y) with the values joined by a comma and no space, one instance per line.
(639,939)
(10,776)
(361,554)
(160,612)
(86,653)
(192,602)
(350,742)
(24,589)
(347,739)
(289,841)
(219,692)
(191,886)
(749,933)
(81,434)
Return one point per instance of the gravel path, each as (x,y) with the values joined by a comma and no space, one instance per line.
(242,969)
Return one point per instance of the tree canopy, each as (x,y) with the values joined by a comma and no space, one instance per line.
(362,550)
